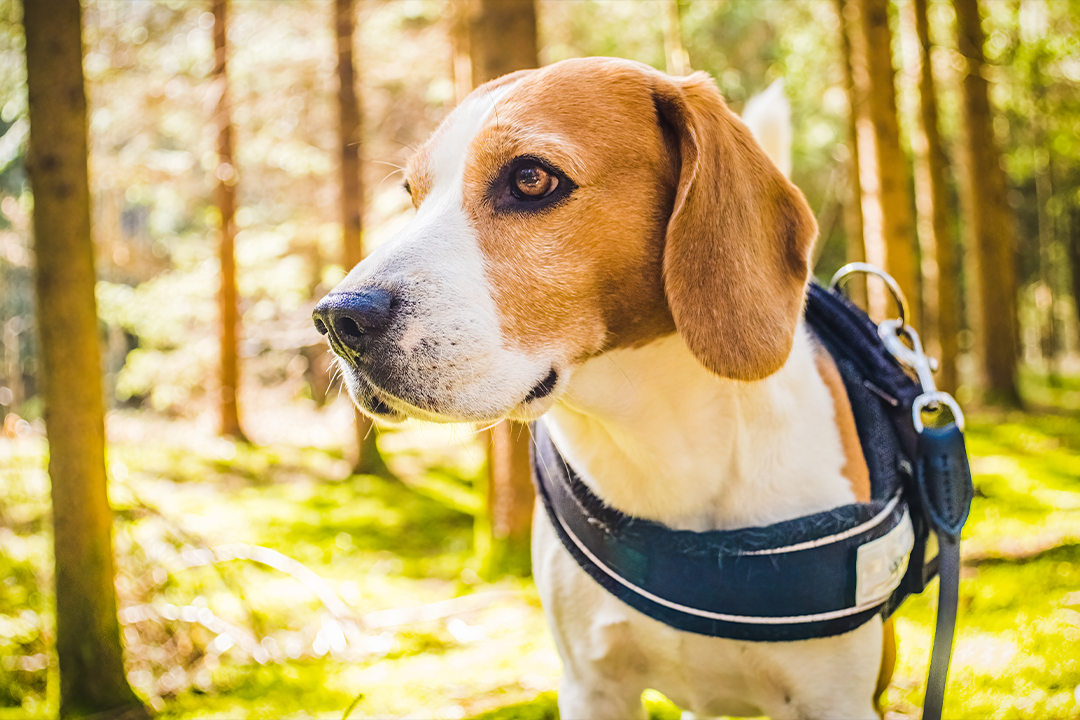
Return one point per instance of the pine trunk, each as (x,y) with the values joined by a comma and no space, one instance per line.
(368,459)
(502,39)
(932,200)
(989,219)
(92,676)
(677,61)
(1073,251)
(852,196)
(510,500)
(227,177)
(887,216)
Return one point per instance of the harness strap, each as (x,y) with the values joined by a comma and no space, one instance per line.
(815,576)
(948,599)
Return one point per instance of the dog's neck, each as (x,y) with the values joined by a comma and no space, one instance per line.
(657,436)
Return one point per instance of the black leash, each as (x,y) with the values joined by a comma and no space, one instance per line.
(945,491)
(942,476)
(948,599)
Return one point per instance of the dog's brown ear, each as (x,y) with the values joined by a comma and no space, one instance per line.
(736,258)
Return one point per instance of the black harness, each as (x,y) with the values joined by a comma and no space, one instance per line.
(815,576)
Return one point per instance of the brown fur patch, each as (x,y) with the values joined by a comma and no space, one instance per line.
(582,276)
(855,469)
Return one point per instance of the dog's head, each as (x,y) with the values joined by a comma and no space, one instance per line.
(563,212)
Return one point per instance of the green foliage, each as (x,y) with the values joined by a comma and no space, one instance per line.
(383,546)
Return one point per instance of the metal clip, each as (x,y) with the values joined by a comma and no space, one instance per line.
(860,267)
(931,399)
(892,333)
(913,357)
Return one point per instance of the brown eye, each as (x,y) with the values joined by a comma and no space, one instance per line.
(533,181)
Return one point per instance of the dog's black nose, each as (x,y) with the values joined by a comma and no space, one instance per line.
(351,317)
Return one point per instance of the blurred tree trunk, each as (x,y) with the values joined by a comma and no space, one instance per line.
(888,226)
(13,362)
(1073,251)
(677,61)
(368,459)
(227,177)
(989,219)
(502,39)
(852,196)
(1046,294)
(941,269)
(92,676)
(461,49)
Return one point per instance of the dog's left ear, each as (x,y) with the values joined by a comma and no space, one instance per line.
(736,258)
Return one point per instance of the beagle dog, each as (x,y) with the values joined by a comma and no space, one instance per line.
(608,250)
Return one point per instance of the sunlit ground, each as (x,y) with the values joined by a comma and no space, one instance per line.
(265,582)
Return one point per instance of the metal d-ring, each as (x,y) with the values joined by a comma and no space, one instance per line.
(861,267)
(935,398)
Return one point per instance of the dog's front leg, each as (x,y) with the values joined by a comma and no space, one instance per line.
(832,677)
(604,668)
(607,701)
(604,676)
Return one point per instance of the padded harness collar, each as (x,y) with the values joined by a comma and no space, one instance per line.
(814,576)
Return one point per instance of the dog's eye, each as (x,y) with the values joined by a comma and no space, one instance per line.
(534,182)
(528,184)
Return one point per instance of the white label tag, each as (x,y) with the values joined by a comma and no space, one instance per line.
(880,564)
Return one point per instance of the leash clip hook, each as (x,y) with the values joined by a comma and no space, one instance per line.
(892,333)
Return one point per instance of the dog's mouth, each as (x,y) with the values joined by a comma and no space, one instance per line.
(543,388)
(385,405)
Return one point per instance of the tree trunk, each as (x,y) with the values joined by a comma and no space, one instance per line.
(889,228)
(227,177)
(368,459)
(941,271)
(13,363)
(989,219)
(677,61)
(510,500)
(464,75)
(852,196)
(1073,250)
(92,676)
(502,39)
(1046,295)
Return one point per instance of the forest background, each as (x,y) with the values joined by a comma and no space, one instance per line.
(269,563)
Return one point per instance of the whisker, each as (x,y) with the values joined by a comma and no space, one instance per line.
(480,430)
(393,165)
(395,172)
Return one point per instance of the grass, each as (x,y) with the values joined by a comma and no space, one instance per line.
(387,613)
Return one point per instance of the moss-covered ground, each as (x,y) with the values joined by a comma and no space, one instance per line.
(268,582)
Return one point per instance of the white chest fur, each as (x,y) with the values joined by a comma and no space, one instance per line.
(657,436)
